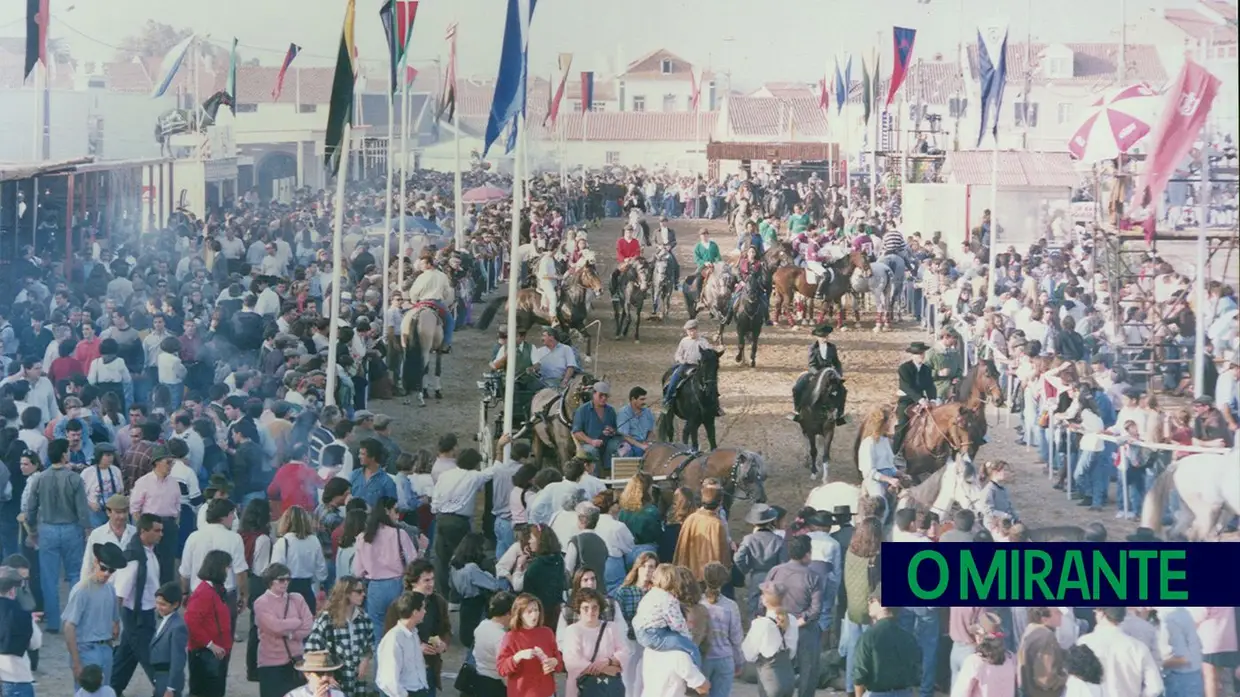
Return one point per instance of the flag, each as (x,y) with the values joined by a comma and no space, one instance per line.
(1188,103)
(558,88)
(293,50)
(447,100)
(387,15)
(406,12)
(902,49)
(231,86)
(587,92)
(843,84)
(867,91)
(171,64)
(340,108)
(411,74)
(992,73)
(824,96)
(510,84)
(37,16)
(696,95)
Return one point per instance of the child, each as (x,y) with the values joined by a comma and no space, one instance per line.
(354,525)
(474,585)
(91,683)
(1134,473)
(995,498)
(659,623)
(24,597)
(168,649)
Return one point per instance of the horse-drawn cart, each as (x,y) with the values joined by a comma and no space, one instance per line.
(491,411)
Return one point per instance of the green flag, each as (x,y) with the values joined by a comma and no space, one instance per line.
(231,86)
(867,91)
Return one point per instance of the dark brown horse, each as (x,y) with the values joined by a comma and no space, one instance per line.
(574,304)
(742,472)
(817,415)
(789,281)
(696,401)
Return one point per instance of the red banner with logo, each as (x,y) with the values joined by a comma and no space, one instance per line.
(1188,103)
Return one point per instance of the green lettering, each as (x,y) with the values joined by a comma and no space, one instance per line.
(944,576)
(971,576)
(1144,557)
(1103,568)
(1038,576)
(1013,576)
(1072,576)
(1166,575)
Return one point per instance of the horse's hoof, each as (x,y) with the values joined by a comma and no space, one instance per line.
(438,394)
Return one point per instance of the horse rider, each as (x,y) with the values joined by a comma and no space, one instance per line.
(554,363)
(916,388)
(946,364)
(822,355)
(799,221)
(688,355)
(768,228)
(751,238)
(548,277)
(433,286)
(628,248)
(815,262)
(665,239)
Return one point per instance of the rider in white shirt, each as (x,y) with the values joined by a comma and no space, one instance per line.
(688,354)
(548,279)
(434,286)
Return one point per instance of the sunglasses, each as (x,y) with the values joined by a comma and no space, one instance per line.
(107,570)
(283,579)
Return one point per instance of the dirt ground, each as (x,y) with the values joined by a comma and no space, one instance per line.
(756,401)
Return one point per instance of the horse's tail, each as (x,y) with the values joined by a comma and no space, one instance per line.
(667,427)
(489,312)
(414,368)
(1155,503)
(857,450)
(691,297)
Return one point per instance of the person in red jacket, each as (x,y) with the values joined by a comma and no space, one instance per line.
(628,248)
(210,628)
(528,655)
(295,483)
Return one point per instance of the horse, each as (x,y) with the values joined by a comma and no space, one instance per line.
(817,417)
(959,426)
(175,121)
(742,472)
(629,294)
(779,255)
(749,309)
(421,332)
(551,418)
(789,281)
(954,484)
(574,304)
(880,281)
(1206,483)
(712,291)
(662,285)
(696,401)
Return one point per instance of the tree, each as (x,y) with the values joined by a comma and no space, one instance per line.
(155,39)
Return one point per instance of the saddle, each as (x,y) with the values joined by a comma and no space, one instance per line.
(561,402)
(422,305)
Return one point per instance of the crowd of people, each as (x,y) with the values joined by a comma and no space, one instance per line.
(173,458)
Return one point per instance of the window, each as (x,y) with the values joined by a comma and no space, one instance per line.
(577,105)
(598,106)
(307,108)
(97,83)
(613,157)
(1059,67)
(669,102)
(957,107)
(1026,114)
(639,103)
(665,66)
(916,112)
(247,108)
(1064,113)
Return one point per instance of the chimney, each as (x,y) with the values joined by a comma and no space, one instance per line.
(938,58)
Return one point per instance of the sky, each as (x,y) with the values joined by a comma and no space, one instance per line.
(753,41)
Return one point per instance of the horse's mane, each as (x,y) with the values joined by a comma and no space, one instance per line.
(925,493)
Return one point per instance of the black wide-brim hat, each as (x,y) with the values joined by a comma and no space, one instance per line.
(917,347)
(110,555)
(823,330)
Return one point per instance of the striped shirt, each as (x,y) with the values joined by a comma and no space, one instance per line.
(893,242)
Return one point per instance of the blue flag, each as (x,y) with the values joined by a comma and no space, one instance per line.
(841,92)
(510,85)
(992,73)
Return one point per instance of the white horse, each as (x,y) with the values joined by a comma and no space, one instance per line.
(880,283)
(950,486)
(1206,483)
(828,496)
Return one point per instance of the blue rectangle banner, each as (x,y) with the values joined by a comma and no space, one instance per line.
(1078,574)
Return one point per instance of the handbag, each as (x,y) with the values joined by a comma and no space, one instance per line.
(599,685)
(466,680)
(204,667)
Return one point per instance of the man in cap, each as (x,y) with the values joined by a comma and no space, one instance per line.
(116,530)
(434,286)
(822,355)
(594,427)
(688,355)
(92,615)
(916,388)
(158,493)
(1210,429)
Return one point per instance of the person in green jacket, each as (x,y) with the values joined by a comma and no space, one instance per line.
(947,365)
(769,230)
(799,221)
(706,251)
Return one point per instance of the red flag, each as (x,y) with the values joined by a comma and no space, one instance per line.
(824,98)
(293,50)
(558,89)
(1188,103)
(587,91)
(406,12)
(411,74)
(902,46)
(447,100)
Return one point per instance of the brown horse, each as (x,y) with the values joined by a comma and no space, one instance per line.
(742,473)
(789,281)
(574,304)
(551,419)
(955,426)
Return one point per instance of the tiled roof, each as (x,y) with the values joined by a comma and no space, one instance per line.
(650,67)
(936,82)
(1224,9)
(774,118)
(1093,64)
(786,90)
(1016,168)
(630,126)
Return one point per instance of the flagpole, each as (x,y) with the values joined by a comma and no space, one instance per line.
(459,209)
(387,213)
(400,189)
(1199,283)
(563,139)
(333,332)
(874,167)
(514,274)
(992,277)
(38,121)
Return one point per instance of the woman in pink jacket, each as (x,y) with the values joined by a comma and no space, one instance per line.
(284,621)
(1216,627)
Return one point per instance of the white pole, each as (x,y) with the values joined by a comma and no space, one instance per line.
(38,120)
(563,158)
(874,166)
(387,212)
(514,274)
(992,276)
(404,177)
(333,332)
(458,210)
(1199,346)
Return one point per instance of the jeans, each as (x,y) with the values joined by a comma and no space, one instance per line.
(97,653)
(850,633)
(613,574)
(379,595)
(504,536)
(603,455)
(808,659)
(1136,481)
(666,639)
(1178,684)
(926,628)
(959,653)
(60,546)
(8,535)
(18,689)
(176,391)
(449,322)
(673,381)
(720,672)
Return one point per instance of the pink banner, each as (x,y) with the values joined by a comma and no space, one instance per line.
(1188,103)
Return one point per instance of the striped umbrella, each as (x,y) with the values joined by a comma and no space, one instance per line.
(1115,123)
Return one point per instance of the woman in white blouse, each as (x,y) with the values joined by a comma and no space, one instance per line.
(875,458)
(771,643)
(511,567)
(298,548)
(593,649)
